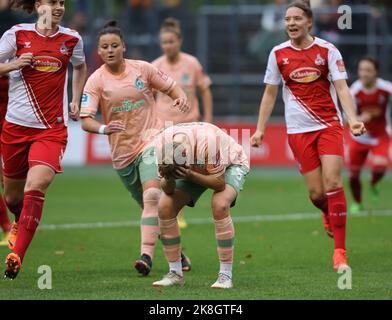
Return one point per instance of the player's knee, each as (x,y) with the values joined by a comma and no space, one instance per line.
(37,185)
(151,197)
(316,196)
(166,209)
(220,209)
(333,183)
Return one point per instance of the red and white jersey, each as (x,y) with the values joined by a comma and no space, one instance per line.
(38,93)
(376,98)
(308,91)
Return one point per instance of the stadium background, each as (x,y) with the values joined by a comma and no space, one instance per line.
(90,222)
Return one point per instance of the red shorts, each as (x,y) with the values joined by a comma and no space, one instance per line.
(359,151)
(309,146)
(23,148)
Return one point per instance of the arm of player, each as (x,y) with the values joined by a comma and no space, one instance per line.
(213,182)
(357,127)
(93,126)
(23,61)
(266,106)
(78,81)
(206,97)
(180,99)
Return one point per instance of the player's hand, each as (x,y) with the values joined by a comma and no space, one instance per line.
(181,104)
(182,172)
(115,126)
(357,128)
(74,111)
(257,138)
(24,60)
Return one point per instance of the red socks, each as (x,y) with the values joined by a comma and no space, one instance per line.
(4,220)
(337,214)
(33,203)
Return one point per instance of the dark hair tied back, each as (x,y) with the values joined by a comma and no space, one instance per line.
(111,27)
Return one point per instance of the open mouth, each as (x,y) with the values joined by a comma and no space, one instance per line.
(57,14)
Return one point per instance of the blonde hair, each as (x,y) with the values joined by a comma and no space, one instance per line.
(171,25)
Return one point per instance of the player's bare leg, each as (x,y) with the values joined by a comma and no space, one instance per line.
(224,232)
(314,183)
(38,180)
(13,198)
(149,226)
(332,166)
(169,207)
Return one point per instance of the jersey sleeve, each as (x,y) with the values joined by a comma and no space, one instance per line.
(8,46)
(336,65)
(272,74)
(78,56)
(91,97)
(203,81)
(158,80)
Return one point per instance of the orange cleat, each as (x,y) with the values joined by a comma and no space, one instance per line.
(327,225)
(339,259)
(12,236)
(13,264)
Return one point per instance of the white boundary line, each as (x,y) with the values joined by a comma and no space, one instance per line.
(201,221)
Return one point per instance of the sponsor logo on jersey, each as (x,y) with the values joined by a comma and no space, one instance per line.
(286,61)
(139,84)
(340,65)
(305,75)
(319,60)
(46,64)
(129,106)
(27,45)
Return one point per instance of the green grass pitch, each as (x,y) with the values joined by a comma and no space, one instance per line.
(284,258)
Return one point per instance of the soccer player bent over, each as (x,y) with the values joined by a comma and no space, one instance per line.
(187,71)
(196,157)
(123,90)
(313,72)
(371,95)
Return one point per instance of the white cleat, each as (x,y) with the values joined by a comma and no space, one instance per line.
(171,279)
(223,282)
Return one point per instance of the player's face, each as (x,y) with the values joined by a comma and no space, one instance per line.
(297,23)
(111,49)
(170,44)
(367,72)
(57,8)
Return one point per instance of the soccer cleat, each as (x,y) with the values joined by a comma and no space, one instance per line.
(144,264)
(171,279)
(223,282)
(327,225)
(13,264)
(4,240)
(12,235)
(181,222)
(339,259)
(356,208)
(185,262)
